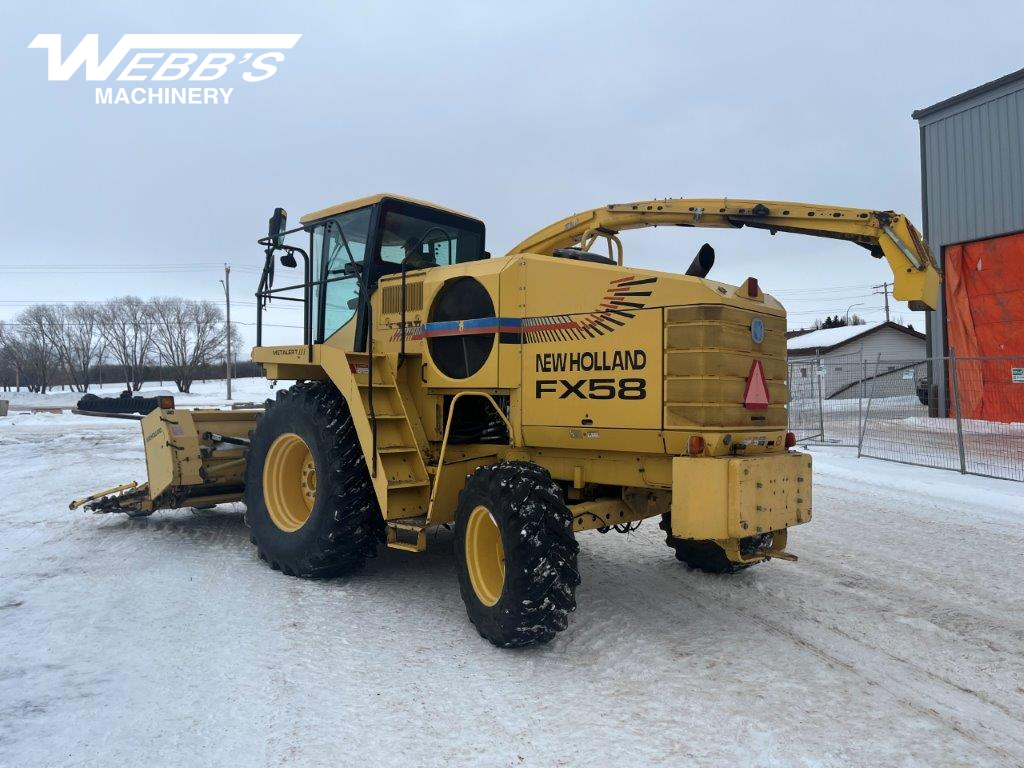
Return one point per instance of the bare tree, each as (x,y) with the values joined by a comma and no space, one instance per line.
(32,349)
(72,332)
(188,334)
(126,325)
(10,357)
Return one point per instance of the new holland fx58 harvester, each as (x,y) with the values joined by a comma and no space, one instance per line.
(521,400)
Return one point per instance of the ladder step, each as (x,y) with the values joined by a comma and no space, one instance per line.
(406,546)
(377,385)
(385,416)
(407,484)
(408,525)
(391,449)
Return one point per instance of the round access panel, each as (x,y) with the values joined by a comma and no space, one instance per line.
(457,351)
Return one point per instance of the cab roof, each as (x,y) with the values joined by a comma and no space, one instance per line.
(362,202)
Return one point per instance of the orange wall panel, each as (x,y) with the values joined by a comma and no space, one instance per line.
(985,318)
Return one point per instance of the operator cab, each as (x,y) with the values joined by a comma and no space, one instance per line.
(354,244)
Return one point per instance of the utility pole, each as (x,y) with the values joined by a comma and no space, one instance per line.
(885,292)
(226,282)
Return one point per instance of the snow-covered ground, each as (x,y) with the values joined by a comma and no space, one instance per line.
(898,639)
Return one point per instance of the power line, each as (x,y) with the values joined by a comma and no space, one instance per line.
(141,269)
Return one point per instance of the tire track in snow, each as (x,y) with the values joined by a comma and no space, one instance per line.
(951,705)
(947,707)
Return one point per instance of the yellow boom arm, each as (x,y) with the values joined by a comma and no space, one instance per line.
(884,233)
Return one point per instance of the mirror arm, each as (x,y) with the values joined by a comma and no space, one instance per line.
(267,282)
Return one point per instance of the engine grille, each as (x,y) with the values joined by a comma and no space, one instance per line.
(709,351)
(391,298)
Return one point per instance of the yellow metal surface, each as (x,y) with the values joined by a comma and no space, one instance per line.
(398,469)
(290,361)
(886,233)
(407,535)
(485,556)
(289,482)
(777,549)
(739,496)
(178,457)
(709,352)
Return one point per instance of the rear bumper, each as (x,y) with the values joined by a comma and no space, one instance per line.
(732,497)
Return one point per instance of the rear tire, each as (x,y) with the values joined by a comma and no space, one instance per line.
(516,554)
(703,555)
(310,505)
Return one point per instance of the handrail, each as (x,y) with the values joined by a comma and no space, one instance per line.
(448,430)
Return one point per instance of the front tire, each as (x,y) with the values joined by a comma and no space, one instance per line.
(516,554)
(310,505)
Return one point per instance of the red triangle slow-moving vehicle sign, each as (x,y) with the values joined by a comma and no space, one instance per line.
(755,395)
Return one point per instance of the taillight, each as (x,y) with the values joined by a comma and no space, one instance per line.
(166,402)
(752,288)
(695,446)
(790,440)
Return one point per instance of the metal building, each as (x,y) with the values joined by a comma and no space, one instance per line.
(972,187)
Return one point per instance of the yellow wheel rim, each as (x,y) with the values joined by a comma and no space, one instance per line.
(289,482)
(485,556)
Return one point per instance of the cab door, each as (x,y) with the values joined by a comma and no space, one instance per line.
(341,249)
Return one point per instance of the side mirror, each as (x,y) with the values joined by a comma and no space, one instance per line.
(277,225)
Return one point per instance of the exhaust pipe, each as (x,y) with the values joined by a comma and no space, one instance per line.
(702,262)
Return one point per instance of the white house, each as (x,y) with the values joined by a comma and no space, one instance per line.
(844,358)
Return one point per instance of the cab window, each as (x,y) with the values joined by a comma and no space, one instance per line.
(335,246)
(420,242)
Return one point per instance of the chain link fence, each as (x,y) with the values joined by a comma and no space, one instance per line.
(827,399)
(882,408)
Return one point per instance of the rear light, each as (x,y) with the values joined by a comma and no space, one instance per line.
(695,445)
(752,288)
(790,440)
(165,402)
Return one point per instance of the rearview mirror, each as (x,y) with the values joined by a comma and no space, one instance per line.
(277,225)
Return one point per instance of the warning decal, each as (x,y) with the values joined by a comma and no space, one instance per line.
(755,395)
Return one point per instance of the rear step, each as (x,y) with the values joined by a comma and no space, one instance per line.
(408,534)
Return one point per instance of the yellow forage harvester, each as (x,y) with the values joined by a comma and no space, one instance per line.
(521,399)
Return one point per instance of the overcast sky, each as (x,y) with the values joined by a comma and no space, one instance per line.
(520,115)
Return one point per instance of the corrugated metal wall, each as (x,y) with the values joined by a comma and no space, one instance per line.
(974,170)
(972,165)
